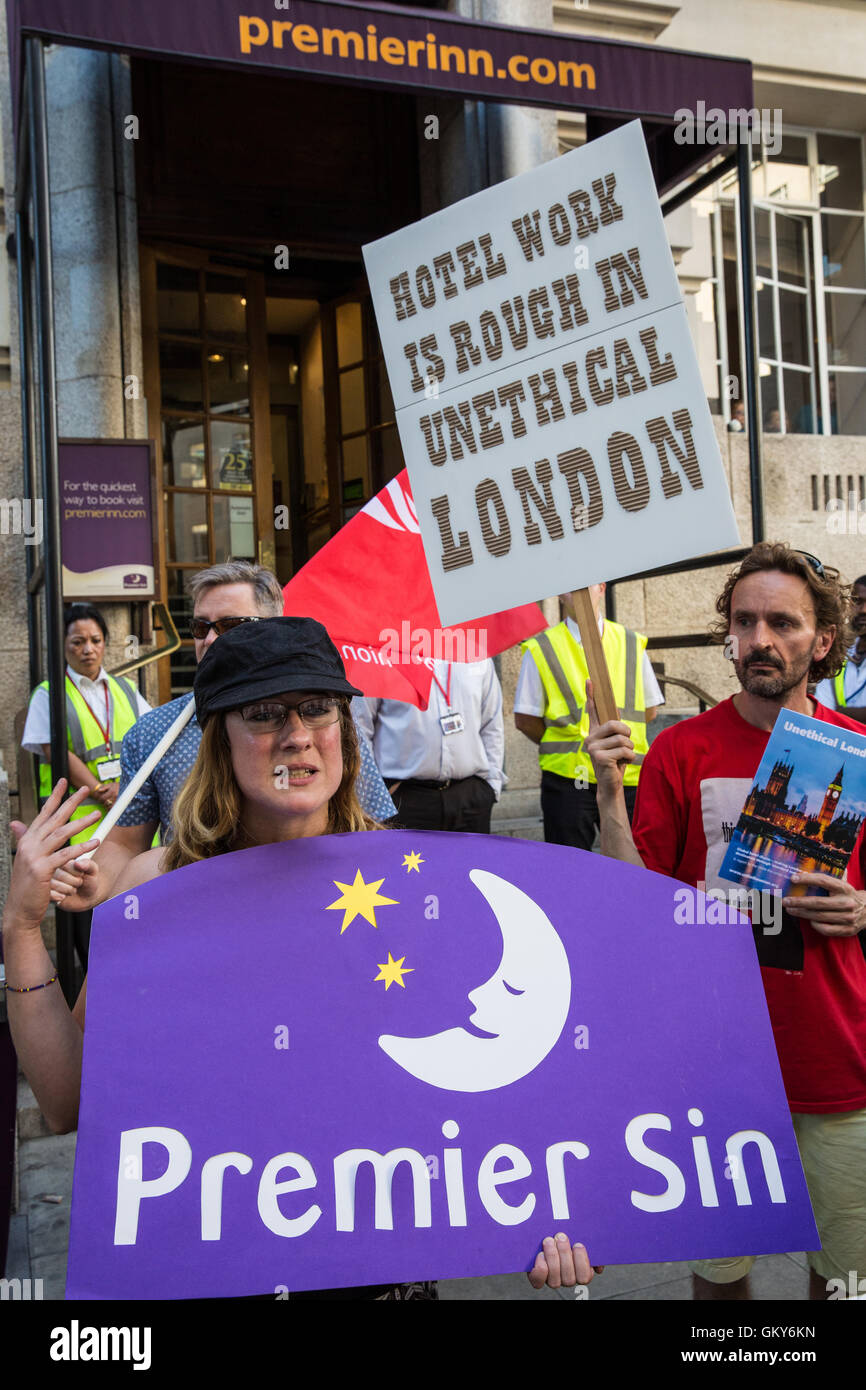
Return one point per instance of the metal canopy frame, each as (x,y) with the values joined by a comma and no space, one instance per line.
(39,390)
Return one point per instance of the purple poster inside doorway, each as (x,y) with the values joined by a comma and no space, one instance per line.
(106,518)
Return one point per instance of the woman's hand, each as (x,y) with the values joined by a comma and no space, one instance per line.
(842,913)
(42,850)
(79,879)
(560,1264)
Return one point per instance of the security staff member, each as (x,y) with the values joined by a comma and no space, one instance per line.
(442,765)
(847,690)
(99,710)
(550,709)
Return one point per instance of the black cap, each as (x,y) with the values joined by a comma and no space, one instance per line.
(268,657)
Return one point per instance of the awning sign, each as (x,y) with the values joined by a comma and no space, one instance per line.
(548,396)
(395,46)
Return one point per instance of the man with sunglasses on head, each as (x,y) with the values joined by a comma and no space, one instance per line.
(782,619)
(223,597)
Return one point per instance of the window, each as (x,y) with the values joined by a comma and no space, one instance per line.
(810,249)
(364,418)
(201,347)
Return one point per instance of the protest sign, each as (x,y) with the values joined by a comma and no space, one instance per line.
(547,393)
(107,518)
(374,1058)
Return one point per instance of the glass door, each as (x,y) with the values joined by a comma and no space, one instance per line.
(363,441)
(206,385)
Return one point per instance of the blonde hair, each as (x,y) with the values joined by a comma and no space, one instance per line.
(206,816)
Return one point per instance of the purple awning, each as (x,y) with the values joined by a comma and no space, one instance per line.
(390,46)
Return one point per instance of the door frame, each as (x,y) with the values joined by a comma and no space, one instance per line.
(263,511)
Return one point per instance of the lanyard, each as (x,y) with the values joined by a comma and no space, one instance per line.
(446,689)
(859,680)
(106,732)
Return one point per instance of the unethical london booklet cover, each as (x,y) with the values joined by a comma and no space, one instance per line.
(805,809)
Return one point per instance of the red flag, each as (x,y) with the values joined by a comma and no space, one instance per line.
(370,587)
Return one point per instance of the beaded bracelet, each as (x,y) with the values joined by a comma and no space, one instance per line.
(28,989)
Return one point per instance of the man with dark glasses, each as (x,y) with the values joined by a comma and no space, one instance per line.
(224,597)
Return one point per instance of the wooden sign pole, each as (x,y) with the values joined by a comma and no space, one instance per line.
(590,638)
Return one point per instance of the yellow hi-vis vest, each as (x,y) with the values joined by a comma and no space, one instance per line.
(87,741)
(839,687)
(562,666)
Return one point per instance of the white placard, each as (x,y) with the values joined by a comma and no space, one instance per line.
(547,392)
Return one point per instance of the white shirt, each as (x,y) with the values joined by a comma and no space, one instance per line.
(529,697)
(854,685)
(409,742)
(37,729)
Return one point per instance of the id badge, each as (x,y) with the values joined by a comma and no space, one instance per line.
(108,771)
(452,722)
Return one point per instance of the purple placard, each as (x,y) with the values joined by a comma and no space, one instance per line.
(518,64)
(106,518)
(526,1023)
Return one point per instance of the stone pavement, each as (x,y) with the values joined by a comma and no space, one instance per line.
(40,1231)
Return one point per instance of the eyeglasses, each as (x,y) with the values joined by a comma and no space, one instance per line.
(270,716)
(813,562)
(200,627)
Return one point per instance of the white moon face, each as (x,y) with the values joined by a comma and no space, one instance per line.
(524,1005)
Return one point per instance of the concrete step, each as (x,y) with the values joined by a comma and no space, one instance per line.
(519,827)
(520,801)
(32,1124)
(668,716)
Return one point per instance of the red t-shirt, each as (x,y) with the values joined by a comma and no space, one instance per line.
(692,787)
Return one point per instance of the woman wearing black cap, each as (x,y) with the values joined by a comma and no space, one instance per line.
(278,761)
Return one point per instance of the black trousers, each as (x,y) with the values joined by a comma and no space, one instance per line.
(81,924)
(571,813)
(463,805)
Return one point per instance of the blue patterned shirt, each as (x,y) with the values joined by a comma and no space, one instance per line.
(155,799)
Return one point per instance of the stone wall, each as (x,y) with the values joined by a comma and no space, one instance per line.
(97,316)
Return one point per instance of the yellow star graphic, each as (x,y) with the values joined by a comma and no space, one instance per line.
(411,861)
(392,972)
(359,899)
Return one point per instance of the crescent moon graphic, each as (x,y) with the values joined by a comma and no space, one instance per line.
(522,1008)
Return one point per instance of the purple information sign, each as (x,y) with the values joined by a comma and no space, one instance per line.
(106,518)
(395,1056)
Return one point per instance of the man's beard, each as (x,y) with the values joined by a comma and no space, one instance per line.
(768,686)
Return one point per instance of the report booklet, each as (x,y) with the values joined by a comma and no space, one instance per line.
(805,808)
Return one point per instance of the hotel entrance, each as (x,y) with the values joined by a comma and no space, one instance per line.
(263,374)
